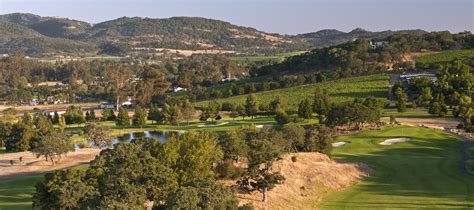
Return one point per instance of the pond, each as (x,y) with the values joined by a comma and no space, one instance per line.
(161,136)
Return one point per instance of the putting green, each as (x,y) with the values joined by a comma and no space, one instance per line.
(420,174)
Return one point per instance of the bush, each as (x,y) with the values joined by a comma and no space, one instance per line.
(247,206)
(294,159)
(227,170)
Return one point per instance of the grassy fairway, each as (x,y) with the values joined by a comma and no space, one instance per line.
(421,174)
(17,194)
(340,90)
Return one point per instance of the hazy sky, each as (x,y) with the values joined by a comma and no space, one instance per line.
(281,16)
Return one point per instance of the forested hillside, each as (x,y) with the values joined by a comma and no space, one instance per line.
(42,36)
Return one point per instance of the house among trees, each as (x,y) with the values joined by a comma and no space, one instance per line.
(377,44)
(51,112)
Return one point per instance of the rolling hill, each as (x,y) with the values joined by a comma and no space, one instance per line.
(59,35)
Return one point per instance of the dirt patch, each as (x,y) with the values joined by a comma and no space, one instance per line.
(32,165)
(307,180)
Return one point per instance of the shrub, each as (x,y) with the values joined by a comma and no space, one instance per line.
(247,206)
(294,159)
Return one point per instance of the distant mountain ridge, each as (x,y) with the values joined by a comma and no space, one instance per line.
(37,35)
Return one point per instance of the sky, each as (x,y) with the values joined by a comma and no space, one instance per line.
(276,16)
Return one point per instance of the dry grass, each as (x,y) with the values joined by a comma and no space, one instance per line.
(307,180)
(32,165)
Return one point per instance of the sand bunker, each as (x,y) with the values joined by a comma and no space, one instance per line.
(213,125)
(338,144)
(394,141)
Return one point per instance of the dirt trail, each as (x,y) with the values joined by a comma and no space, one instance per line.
(32,165)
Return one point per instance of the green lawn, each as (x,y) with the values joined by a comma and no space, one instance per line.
(17,193)
(421,174)
(340,90)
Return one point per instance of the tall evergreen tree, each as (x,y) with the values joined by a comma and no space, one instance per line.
(251,105)
(139,117)
(122,118)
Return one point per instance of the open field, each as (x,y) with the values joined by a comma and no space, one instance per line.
(431,60)
(340,90)
(422,173)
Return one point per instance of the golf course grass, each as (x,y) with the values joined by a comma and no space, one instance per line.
(423,173)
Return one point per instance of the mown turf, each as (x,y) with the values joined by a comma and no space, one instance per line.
(339,90)
(421,174)
(18,193)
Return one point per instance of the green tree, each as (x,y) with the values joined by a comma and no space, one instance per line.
(156,114)
(295,137)
(233,145)
(52,146)
(139,117)
(401,100)
(251,105)
(213,109)
(319,138)
(108,114)
(27,119)
(56,118)
(19,138)
(264,148)
(122,118)
(278,103)
(321,103)
(188,111)
(172,114)
(304,109)
(194,161)
(234,113)
(74,115)
(99,135)
(66,189)
(281,117)
(5,132)
(62,123)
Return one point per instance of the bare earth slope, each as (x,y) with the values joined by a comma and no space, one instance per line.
(307,180)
